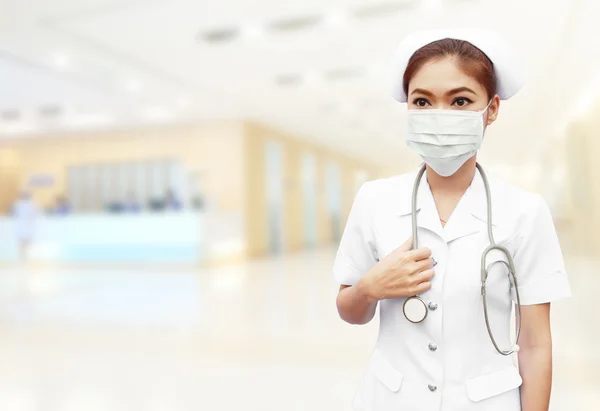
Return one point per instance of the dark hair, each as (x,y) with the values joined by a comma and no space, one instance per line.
(473,61)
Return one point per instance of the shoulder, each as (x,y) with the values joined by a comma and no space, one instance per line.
(389,187)
(515,202)
(386,194)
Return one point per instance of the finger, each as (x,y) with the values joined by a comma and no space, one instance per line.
(422,287)
(404,248)
(423,276)
(407,246)
(416,267)
(423,265)
(419,254)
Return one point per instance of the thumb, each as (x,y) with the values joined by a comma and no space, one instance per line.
(407,246)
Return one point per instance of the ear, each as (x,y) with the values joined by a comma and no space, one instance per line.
(493,110)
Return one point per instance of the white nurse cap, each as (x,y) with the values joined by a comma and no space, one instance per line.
(510,71)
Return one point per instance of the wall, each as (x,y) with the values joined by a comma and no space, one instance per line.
(194,145)
(10,171)
(256,137)
(583,170)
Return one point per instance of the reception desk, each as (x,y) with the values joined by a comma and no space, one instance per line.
(186,237)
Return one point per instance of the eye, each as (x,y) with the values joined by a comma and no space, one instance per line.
(461,102)
(421,102)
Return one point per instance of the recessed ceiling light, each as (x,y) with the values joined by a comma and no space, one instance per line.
(295,23)
(50,111)
(288,79)
(10,115)
(384,9)
(344,73)
(220,35)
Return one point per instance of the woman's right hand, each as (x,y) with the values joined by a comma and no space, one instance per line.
(402,273)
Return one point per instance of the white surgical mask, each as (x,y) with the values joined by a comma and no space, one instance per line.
(445,139)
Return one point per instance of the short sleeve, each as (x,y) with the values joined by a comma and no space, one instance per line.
(539,265)
(357,252)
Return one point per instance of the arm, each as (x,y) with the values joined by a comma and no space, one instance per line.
(354,305)
(535,357)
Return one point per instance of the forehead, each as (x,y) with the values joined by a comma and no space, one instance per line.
(439,76)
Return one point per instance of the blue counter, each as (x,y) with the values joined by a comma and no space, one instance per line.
(165,237)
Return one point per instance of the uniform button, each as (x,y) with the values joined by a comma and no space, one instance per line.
(432,346)
(432,387)
(433,306)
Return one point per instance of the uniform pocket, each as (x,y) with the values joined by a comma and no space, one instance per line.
(385,372)
(379,389)
(489,385)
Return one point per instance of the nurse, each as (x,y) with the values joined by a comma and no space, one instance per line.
(453,83)
(24,213)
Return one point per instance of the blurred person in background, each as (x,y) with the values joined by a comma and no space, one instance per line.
(131,204)
(24,213)
(434,350)
(172,203)
(198,202)
(62,206)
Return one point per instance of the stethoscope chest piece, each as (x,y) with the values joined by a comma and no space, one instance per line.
(415,309)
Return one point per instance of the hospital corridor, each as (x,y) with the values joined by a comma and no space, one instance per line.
(186,184)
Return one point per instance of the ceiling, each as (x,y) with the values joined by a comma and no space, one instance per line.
(319,70)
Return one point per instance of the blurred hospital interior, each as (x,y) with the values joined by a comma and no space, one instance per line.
(176,175)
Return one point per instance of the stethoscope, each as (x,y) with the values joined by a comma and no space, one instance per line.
(415,309)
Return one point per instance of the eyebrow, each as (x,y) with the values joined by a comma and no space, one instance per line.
(424,92)
(460,90)
(449,93)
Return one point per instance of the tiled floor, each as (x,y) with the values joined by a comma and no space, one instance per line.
(258,336)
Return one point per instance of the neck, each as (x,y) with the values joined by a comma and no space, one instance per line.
(457,182)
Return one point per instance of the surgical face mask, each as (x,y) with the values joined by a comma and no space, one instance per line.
(445,139)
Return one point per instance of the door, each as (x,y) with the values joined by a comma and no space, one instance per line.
(274,168)
(309,196)
(333,187)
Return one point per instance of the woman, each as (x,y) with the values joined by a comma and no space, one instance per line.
(453,83)
(24,212)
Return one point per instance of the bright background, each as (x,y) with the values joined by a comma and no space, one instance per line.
(262,118)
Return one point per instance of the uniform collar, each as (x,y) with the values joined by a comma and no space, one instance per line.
(469,216)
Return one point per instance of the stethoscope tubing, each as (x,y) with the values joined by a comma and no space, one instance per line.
(484,270)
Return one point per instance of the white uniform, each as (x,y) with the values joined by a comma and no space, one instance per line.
(24,213)
(447,362)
